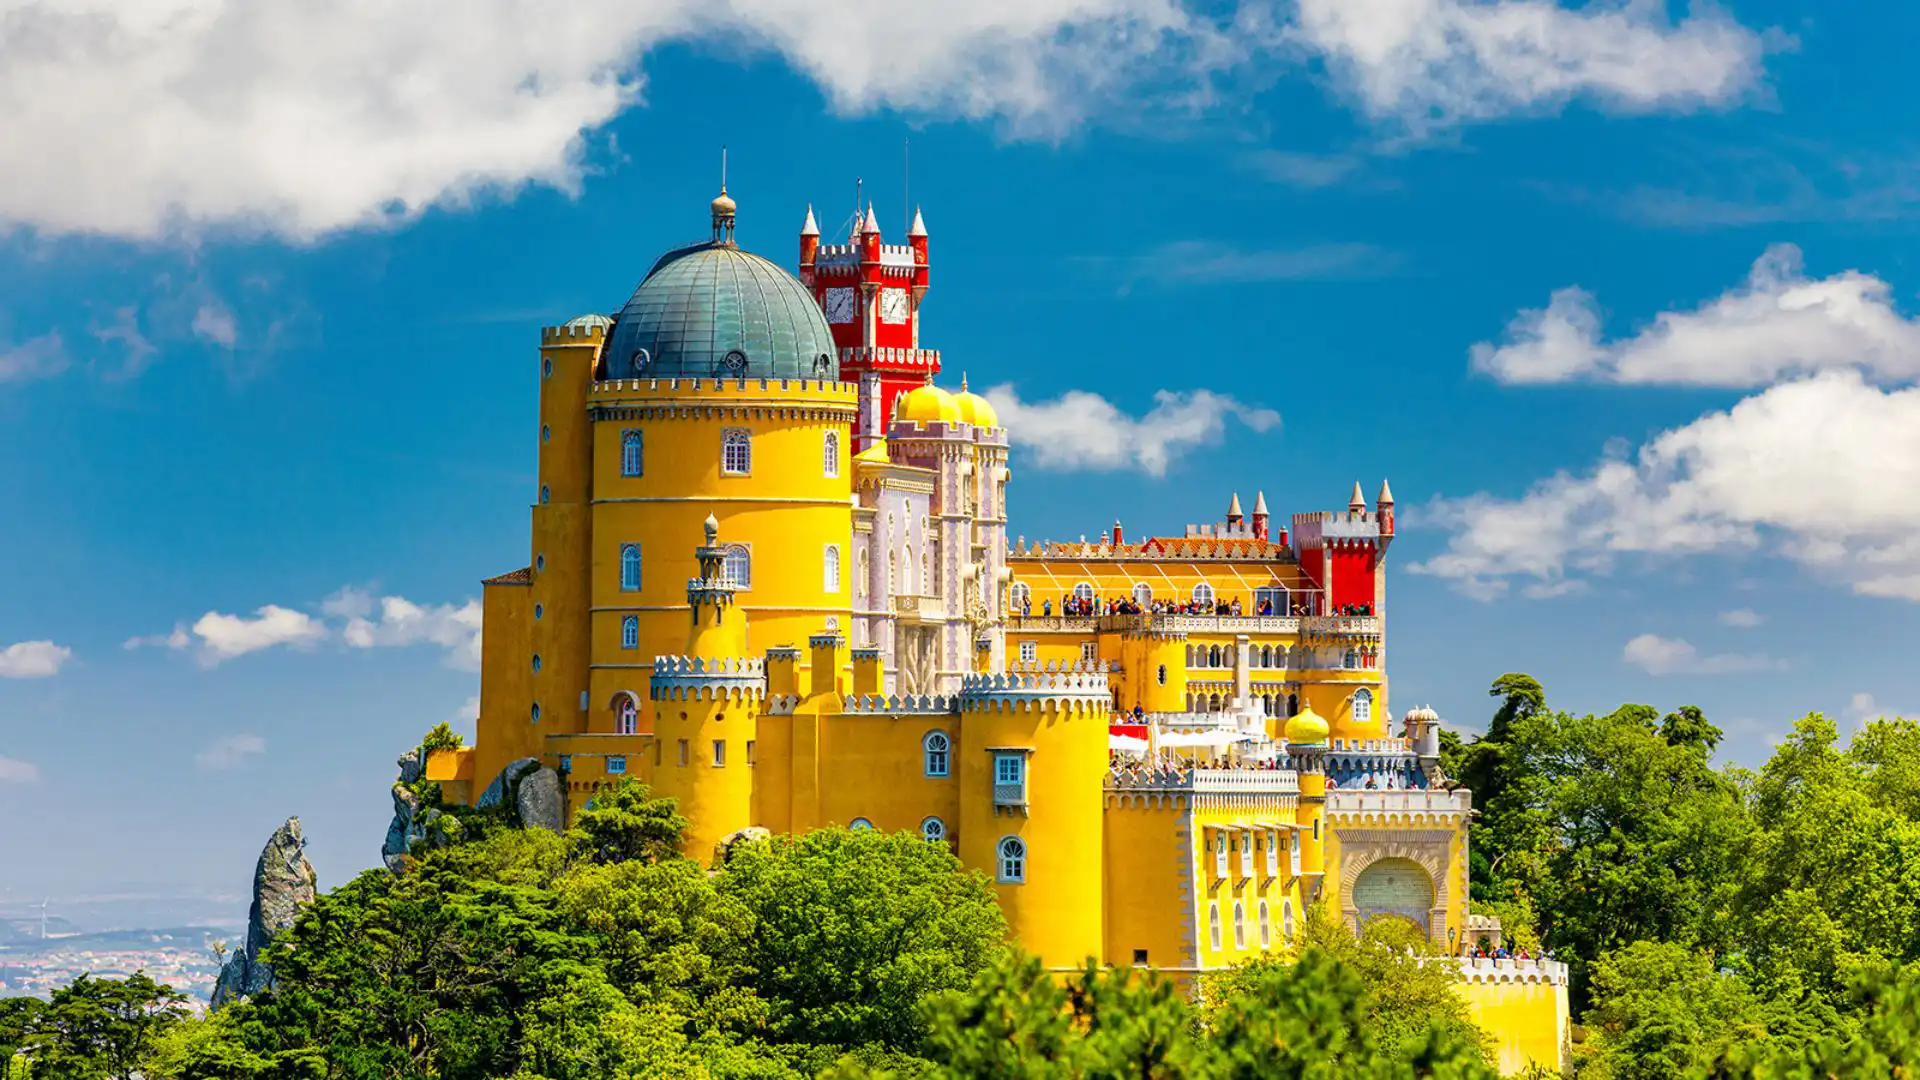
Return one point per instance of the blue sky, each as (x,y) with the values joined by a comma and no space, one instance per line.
(1619,298)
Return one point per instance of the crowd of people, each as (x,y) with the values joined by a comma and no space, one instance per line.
(1091,606)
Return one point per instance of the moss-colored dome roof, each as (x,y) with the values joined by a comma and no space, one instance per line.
(712,310)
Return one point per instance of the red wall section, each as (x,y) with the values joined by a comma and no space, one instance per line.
(1353,576)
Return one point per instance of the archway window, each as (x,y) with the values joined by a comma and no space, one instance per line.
(1266,926)
(1203,594)
(861,824)
(1214,657)
(739,566)
(1018,596)
(626,720)
(1363,706)
(1083,592)
(1293,705)
(632,455)
(736,452)
(629,567)
(933,830)
(1143,594)
(830,568)
(939,750)
(1353,659)
(630,632)
(1213,703)
(1239,925)
(1213,925)
(830,454)
(1013,860)
(1286,919)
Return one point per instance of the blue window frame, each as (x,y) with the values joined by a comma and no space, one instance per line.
(632,453)
(629,567)
(630,632)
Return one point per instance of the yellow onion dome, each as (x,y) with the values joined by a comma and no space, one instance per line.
(928,404)
(1307,727)
(975,409)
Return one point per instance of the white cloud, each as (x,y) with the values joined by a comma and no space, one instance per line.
(1819,470)
(36,358)
(1778,324)
(1658,655)
(229,752)
(33,660)
(214,323)
(176,640)
(1082,431)
(364,112)
(1865,707)
(15,771)
(1741,618)
(223,637)
(1433,62)
(396,621)
(1304,170)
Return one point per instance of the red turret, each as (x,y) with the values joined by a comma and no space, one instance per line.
(1260,516)
(1383,507)
(1344,553)
(809,247)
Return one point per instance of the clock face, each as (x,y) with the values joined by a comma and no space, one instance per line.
(893,305)
(839,305)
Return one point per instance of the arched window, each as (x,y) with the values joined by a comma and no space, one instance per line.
(1266,926)
(1143,594)
(830,568)
(626,717)
(1239,925)
(1271,600)
(629,567)
(1163,674)
(938,753)
(1018,596)
(1213,925)
(630,632)
(860,571)
(1213,703)
(1192,662)
(830,455)
(545,494)
(1363,706)
(535,714)
(736,452)
(1293,705)
(1286,919)
(632,460)
(933,830)
(1214,657)
(1083,592)
(1013,860)
(739,566)
(536,663)
(1203,594)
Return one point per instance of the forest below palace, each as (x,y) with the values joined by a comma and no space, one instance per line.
(1717,922)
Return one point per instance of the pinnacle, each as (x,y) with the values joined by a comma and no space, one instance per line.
(1260,504)
(811,228)
(1359,501)
(1386,495)
(1233,508)
(919,224)
(872,224)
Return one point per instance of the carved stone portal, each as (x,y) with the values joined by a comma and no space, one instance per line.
(1399,860)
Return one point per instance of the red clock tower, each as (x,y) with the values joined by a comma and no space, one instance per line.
(871,293)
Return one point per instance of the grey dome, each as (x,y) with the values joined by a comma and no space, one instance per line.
(714,310)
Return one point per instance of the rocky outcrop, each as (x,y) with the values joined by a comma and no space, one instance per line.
(531,793)
(412,820)
(724,850)
(283,884)
(541,801)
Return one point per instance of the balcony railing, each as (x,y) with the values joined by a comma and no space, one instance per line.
(1208,781)
(1013,796)
(1083,624)
(1406,800)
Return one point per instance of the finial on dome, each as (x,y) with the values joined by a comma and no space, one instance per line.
(963,382)
(712,526)
(1359,502)
(723,205)
(811,228)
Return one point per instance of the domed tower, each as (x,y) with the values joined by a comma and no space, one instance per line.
(1307,733)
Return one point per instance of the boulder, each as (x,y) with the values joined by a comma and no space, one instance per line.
(541,801)
(283,884)
(502,788)
(724,850)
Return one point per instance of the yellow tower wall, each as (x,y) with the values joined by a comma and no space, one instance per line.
(562,537)
(716,791)
(1058,912)
(1247,883)
(503,733)
(1525,1013)
(1149,878)
(880,768)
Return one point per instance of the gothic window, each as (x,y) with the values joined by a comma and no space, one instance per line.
(736,452)
(1293,705)
(631,458)
(860,571)
(1239,925)
(1017,596)
(629,567)
(626,718)
(1286,919)
(1203,595)
(830,568)
(830,464)
(1214,658)
(938,750)
(1213,925)
(860,824)
(1353,659)
(1083,592)
(1363,706)
(1266,926)
(933,830)
(738,566)
(630,632)
(1143,594)
(1013,861)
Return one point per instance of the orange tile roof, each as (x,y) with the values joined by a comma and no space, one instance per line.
(522,576)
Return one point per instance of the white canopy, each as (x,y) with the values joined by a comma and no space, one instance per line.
(1126,744)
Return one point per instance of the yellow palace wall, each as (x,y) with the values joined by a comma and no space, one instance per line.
(1527,1020)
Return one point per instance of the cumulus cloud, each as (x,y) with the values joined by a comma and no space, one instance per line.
(221,637)
(1865,706)
(35,358)
(1433,62)
(1658,655)
(397,621)
(33,660)
(1081,431)
(364,112)
(15,771)
(1741,618)
(1818,469)
(229,752)
(1778,324)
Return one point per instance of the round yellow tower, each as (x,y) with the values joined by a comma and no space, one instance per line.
(1032,764)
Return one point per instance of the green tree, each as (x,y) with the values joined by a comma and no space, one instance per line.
(852,929)
(627,823)
(441,737)
(18,1017)
(101,1029)
(1662,1009)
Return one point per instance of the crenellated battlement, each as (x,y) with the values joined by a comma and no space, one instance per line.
(1068,690)
(891,359)
(1490,969)
(1319,527)
(723,389)
(684,678)
(1047,667)
(922,704)
(574,333)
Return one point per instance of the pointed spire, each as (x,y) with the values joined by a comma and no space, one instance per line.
(963,382)
(1260,505)
(1386,495)
(872,224)
(919,224)
(1233,508)
(1359,501)
(812,227)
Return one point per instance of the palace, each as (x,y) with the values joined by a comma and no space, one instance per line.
(771,577)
